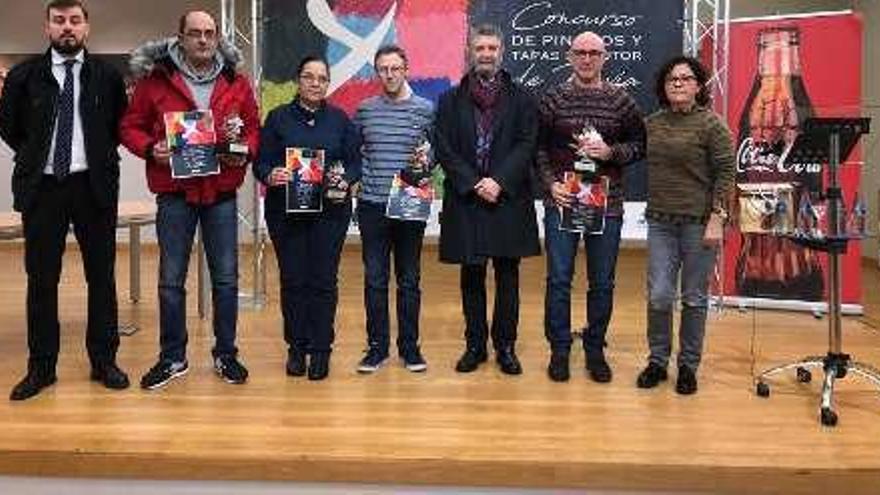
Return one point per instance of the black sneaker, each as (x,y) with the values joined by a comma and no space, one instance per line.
(230,369)
(372,360)
(413,360)
(162,373)
(652,375)
(686,384)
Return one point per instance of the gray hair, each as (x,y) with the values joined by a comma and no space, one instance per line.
(485,30)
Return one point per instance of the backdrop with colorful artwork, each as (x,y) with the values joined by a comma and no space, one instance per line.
(640,36)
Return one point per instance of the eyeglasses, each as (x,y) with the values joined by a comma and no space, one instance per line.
(197,34)
(392,70)
(310,78)
(680,79)
(587,53)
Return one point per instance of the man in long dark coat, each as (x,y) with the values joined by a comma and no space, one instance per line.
(486,138)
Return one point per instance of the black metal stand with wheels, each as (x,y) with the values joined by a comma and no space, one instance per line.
(827,140)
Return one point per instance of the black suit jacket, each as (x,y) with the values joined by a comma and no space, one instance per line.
(27,121)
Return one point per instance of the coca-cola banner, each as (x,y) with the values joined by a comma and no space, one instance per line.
(782,71)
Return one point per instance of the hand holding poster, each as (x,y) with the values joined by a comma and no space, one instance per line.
(412,192)
(305,190)
(587,211)
(192,141)
(409,201)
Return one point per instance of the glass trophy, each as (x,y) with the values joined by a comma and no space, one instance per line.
(583,164)
(232,128)
(857,220)
(335,192)
(808,218)
(419,162)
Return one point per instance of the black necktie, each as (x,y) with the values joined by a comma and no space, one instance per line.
(64,130)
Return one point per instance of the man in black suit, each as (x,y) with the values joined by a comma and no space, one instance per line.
(60,113)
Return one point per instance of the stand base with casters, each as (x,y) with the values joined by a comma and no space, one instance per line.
(835,366)
(827,140)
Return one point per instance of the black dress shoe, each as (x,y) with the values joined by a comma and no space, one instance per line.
(31,385)
(558,369)
(471,360)
(507,361)
(110,376)
(319,365)
(296,363)
(599,370)
(686,384)
(651,376)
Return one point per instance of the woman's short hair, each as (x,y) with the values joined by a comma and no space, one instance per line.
(703,99)
(309,59)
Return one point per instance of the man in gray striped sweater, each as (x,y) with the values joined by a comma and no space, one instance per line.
(391,125)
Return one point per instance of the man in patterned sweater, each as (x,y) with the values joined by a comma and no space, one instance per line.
(585,99)
(392,125)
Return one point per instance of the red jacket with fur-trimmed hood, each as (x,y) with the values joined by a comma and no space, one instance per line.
(161,88)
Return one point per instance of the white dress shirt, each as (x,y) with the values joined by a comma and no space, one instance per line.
(78,161)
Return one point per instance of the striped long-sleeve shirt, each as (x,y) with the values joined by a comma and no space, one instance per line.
(565,108)
(390,131)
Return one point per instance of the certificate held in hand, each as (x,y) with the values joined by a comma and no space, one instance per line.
(192,140)
(305,191)
(412,193)
(586,214)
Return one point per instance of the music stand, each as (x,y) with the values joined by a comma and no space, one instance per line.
(827,140)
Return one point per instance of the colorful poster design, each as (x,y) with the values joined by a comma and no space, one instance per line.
(305,191)
(587,212)
(409,202)
(192,140)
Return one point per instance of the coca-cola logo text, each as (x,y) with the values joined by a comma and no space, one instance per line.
(751,157)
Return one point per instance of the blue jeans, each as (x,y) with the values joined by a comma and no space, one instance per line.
(308,247)
(677,250)
(175,227)
(380,236)
(561,248)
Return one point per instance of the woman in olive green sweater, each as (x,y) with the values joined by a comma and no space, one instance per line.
(690,174)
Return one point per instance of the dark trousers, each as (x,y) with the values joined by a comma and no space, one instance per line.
(380,237)
(58,204)
(505,316)
(308,247)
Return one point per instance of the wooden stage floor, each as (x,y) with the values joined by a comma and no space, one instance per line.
(443,428)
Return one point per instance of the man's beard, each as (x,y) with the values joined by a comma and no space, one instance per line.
(485,71)
(63,47)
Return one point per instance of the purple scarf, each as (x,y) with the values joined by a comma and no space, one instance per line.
(485,95)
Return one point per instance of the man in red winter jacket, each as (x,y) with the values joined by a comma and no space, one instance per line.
(194,71)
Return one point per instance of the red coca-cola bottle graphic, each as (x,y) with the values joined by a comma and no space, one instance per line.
(772,266)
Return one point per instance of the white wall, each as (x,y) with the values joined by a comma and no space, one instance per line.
(870,10)
(117,26)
